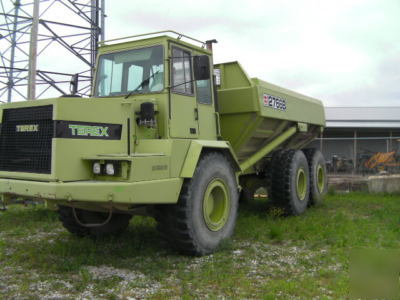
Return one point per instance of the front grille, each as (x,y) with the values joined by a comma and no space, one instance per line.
(25,139)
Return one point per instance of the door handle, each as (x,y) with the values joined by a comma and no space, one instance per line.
(196,114)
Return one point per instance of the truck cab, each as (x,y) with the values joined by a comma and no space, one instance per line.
(173,75)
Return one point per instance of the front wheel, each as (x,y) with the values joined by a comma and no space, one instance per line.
(205,214)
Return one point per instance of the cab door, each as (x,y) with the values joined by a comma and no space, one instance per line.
(183,110)
(207,114)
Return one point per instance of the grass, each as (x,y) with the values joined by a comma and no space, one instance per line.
(269,257)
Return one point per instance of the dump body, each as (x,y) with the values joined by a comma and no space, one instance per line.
(253,113)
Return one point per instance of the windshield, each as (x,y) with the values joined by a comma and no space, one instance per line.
(135,71)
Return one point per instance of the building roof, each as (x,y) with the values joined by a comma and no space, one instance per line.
(365,117)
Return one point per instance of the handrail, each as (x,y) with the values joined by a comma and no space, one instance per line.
(180,36)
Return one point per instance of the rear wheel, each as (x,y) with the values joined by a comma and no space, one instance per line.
(318,176)
(290,182)
(206,211)
(117,224)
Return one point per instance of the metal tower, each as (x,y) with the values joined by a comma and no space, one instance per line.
(44,42)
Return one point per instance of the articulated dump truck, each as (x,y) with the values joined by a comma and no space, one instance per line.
(165,133)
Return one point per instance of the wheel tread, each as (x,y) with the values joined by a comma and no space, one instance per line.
(310,154)
(281,189)
(173,222)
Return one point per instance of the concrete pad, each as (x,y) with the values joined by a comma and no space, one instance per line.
(347,182)
(389,184)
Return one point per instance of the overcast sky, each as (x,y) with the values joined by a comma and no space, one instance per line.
(345,52)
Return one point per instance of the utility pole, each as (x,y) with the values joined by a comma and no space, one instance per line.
(33,52)
(102,13)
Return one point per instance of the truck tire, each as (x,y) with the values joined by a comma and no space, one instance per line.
(205,214)
(318,176)
(117,224)
(290,182)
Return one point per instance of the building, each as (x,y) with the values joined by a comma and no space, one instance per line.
(361,139)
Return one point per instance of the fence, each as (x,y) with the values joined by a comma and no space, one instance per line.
(361,153)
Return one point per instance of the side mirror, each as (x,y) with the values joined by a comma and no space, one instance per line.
(201,64)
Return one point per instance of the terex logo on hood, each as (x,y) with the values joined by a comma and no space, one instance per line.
(27,128)
(87,130)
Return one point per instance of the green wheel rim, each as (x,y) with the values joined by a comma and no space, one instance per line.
(320,178)
(216,205)
(301,184)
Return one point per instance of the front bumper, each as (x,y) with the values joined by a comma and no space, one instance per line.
(141,192)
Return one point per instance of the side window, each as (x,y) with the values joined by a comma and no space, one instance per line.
(181,72)
(203,88)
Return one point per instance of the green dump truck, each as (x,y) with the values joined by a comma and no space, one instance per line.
(167,133)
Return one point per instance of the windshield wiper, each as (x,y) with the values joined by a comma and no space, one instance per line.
(146,81)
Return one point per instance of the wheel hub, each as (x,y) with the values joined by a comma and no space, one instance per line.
(301,184)
(320,178)
(216,205)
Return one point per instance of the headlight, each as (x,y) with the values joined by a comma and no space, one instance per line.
(96,168)
(110,169)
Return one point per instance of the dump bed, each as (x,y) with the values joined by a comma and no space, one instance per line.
(254,113)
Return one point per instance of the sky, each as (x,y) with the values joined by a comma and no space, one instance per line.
(343,52)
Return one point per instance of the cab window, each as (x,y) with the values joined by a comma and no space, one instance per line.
(203,89)
(182,82)
(133,71)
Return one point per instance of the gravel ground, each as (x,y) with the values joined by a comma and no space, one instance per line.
(263,262)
